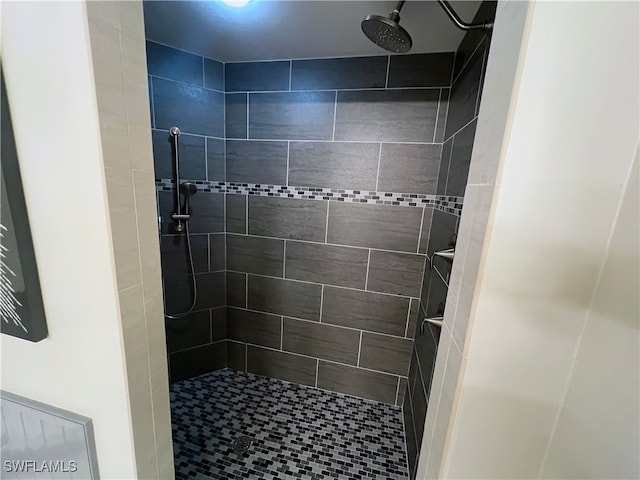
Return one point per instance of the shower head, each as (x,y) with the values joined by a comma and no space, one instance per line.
(386,32)
(188,189)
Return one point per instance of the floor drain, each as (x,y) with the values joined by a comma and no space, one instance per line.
(240,445)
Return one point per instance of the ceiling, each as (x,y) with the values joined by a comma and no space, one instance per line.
(285,29)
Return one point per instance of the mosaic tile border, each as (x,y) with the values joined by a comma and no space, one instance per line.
(452,205)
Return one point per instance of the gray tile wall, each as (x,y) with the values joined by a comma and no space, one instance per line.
(343,278)
(462,110)
(321,293)
(187,91)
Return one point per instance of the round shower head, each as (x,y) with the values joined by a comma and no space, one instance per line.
(387,33)
(188,189)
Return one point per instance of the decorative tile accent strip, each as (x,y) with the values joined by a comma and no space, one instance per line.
(289,431)
(444,203)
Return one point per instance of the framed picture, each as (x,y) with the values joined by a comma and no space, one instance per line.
(21,309)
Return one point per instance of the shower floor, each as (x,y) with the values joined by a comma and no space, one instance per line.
(296,431)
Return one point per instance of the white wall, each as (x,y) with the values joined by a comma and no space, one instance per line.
(80,366)
(550,367)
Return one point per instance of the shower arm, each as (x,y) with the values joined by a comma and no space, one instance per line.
(446,6)
(462,25)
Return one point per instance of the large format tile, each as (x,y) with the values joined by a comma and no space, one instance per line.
(211,290)
(421,70)
(253,327)
(236,289)
(486,13)
(262,256)
(285,366)
(443,110)
(343,266)
(365,310)
(392,272)
(214,74)
(237,356)
(194,362)
(426,229)
(358,382)
(443,173)
(167,62)
(339,73)
(387,115)
(257,162)
(191,154)
(375,226)
(235,107)
(193,109)
(287,218)
(320,341)
(460,160)
(291,115)
(409,168)
(217,252)
(188,332)
(216,160)
(175,255)
(334,165)
(443,227)
(207,213)
(464,94)
(236,213)
(385,354)
(257,76)
(284,297)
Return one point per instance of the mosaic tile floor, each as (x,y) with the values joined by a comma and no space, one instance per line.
(295,431)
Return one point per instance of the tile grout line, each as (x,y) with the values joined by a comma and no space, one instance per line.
(290,72)
(247,132)
(386,80)
(420,231)
(321,302)
(300,140)
(307,282)
(288,156)
(284,259)
(246,291)
(315,322)
(246,215)
(406,328)
(366,277)
(317,368)
(206,161)
(264,347)
(314,90)
(378,169)
(435,129)
(281,333)
(397,392)
(326,225)
(359,349)
(335,112)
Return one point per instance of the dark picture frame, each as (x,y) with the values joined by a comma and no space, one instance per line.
(21,308)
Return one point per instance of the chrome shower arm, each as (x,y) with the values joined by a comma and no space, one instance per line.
(458,21)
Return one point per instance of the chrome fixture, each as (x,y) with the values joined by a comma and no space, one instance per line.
(387,33)
(437,321)
(181,218)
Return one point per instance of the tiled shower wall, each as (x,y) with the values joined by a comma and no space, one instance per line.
(322,287)
(468,76)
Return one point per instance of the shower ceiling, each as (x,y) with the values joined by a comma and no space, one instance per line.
(269,30)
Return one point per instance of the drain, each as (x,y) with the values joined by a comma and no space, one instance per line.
(240,445)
